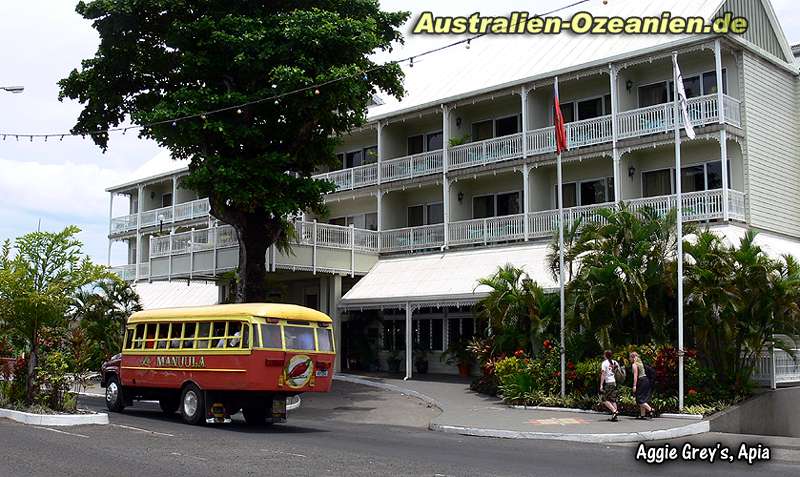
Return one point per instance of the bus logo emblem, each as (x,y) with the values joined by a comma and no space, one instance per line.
(299,370)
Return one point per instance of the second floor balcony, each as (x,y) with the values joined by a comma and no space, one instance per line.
(196,209)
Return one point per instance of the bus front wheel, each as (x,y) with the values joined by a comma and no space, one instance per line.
(115,401)
(193,405)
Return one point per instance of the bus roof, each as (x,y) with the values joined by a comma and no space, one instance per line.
(243,310)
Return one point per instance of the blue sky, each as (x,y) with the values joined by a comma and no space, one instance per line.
(62,183)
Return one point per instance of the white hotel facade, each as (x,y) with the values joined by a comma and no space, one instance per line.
(459,177)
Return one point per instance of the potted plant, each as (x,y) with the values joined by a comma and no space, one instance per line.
(421,359)
(394,360)
(458,140)
(457,354)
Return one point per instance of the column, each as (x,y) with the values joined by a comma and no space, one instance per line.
(445,185)
(334,296)
(409,327)
(526,207)
(723,136)
(138,229)
(380,151)
(526,197)
(612,73)
(110,218)
(174,196)
(323,295)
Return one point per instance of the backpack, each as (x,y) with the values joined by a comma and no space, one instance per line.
(619,373)
(651,373)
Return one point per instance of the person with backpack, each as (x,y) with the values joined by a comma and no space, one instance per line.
(610,373)
(643,379)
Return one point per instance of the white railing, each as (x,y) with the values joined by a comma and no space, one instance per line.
(489,230)
(124,224)
(588,132)
(485,152)
(786,369)
(702,205)
(144,270)
(192,210)
(541,141)
(412,239)
(736,205)
(703,110)
(125,272)
(409,167)
(733,110)
(346,179)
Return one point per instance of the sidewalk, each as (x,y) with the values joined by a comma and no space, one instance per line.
(468,413)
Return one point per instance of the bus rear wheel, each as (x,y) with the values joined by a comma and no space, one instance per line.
(254,415)
(193,405)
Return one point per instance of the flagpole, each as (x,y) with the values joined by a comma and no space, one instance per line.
(679,224)
(560,253)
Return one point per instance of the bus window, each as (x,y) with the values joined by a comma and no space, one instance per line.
(299,337)
(271,336)
(219,334)
(163,335)
(151,336)
(324,339)
(129,338)
(188,335)
(203,331)
(235,333)
(175,342)
(138,340)
(246,335)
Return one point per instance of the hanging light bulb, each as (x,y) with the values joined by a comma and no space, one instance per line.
(239,111)
(468,43)
(203,117)
(411,63)
(62,138)
(316,92)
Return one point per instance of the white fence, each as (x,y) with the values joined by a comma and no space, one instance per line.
(777,367)
(195,209)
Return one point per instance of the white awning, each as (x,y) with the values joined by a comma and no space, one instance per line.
(176,294)
(443,279)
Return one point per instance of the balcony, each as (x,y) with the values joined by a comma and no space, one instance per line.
(195,209)
(776,368)
(636,123)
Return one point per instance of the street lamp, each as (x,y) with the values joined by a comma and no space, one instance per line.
(13,89)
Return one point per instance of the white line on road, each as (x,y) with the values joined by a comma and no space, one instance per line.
(63,432)
(143,430)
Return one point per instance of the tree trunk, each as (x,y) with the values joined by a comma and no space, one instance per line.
(254,242)
(31,383)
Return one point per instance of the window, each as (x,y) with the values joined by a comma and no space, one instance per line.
(353,159)
(151,335)
(340,159)
(593,192)
(437,335)
(299,337)
(415,145)
(163,335)
(271,336)
(435,213)
(710,82)
(693,178)
(371,221)
(655,183)
(652,94)
(714,175)
(129,338)
(569,193)
(460,329)
(483,206)
(235,333)
(370,155)
(506,126)
(434,141)
(482,130)
(508,204)
(218,335)
(590,108)
(203,331)
(189,330)
(166,200)
(324,339)
(416,216)
(175,342)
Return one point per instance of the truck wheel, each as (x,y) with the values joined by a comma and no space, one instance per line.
(169,405)
(115,401)
(254,415)
(193,405)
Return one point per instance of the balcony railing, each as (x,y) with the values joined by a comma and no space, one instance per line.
(703,110)
(777,367)
(125,272)
(411,239)
(186,211)
(489,230)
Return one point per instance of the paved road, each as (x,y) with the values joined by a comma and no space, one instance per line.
(341,433)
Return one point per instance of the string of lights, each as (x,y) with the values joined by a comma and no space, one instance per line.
(275,97)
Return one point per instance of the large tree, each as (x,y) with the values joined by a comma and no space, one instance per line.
(164,59)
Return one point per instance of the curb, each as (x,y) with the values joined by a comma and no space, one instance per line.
(389,387)
(54,419)
(688,430)
(688,417)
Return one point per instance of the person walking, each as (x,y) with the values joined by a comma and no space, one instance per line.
(608,384)
(642,386)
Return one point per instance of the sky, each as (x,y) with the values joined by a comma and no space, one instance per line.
(59,183)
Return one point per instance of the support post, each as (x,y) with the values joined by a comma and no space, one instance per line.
(526,198)
(679,227)
(773,378)
(380,152)
(110,219)
(523,94)
(720,84)
(409,362)
(723,152)
(139,206)
(335,295)
(314,248)
(175,198)
(612,73)
(352,251)
(445,161)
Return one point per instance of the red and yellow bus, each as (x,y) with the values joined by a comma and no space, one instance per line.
(210,362)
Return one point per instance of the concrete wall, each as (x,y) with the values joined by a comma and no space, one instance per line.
(499,107)
(773,413)
(506,182)
(396,203)
(396,134)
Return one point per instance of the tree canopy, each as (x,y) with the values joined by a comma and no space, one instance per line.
(164,59)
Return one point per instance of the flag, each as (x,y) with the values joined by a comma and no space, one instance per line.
(687,122)
(561,132)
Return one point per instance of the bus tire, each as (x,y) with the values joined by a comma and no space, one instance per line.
(254,415)
(193,405)
(169,405)
(115,400)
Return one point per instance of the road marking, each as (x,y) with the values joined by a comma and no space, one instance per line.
(63,432)
(143,430)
